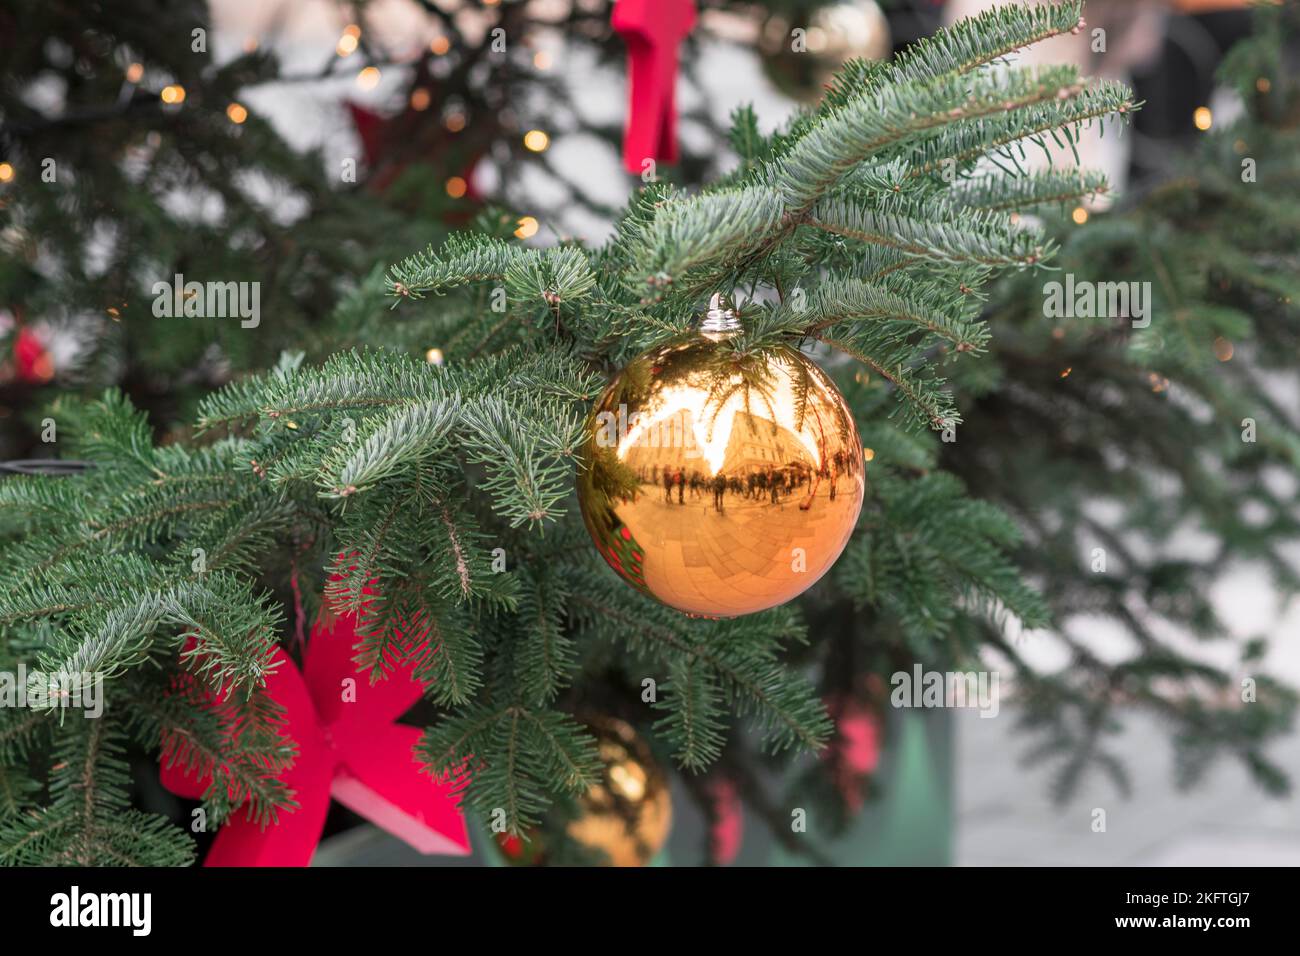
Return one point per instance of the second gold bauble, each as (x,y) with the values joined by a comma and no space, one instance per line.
(802,56)
(623,819)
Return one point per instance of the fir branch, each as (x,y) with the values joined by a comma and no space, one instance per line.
(976,237)
(462,260)
(1046,188)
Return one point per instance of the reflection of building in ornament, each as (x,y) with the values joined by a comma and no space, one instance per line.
(757,444)
(690,419)
(666,443)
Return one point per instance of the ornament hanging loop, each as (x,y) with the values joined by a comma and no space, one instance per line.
(720,321)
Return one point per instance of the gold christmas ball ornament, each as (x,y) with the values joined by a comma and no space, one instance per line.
(624,818)
(718,482)
(627,815)
(801,56)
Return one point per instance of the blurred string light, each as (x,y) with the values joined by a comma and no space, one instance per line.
(1222,349)
(457,187)
(542,60)
(420,99)
(6,172)
(347,44)
(536,140)
(368,78)
(236,113)
(1079,215)
(1203,118)
(439,46)
(433,356)
(868,453)
(454,121)
(1065,373)
(527,227)
(173,93)
(1263,84)
(135,72)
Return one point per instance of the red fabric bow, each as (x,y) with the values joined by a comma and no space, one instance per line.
(348,749)
(652,30)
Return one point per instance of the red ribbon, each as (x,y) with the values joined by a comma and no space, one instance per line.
(652,30)
(348,749)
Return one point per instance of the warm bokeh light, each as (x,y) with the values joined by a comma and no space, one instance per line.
(1079,215)
(433,356)
(347,45)
(868,454)
(457,187)
(455,122)
(175,93)
(237,113)
(134,72)
(1203,118)
(1222,349)
(439,46)
(420,99)
(6,173)
(1066,372)
(542,60)
(1263,84)
(528,227)
(368,78)
(536,140)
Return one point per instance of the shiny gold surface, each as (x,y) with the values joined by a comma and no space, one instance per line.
(719,483)
(627,816)
(833,35)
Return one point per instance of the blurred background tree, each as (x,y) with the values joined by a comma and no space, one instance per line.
(1090,434)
